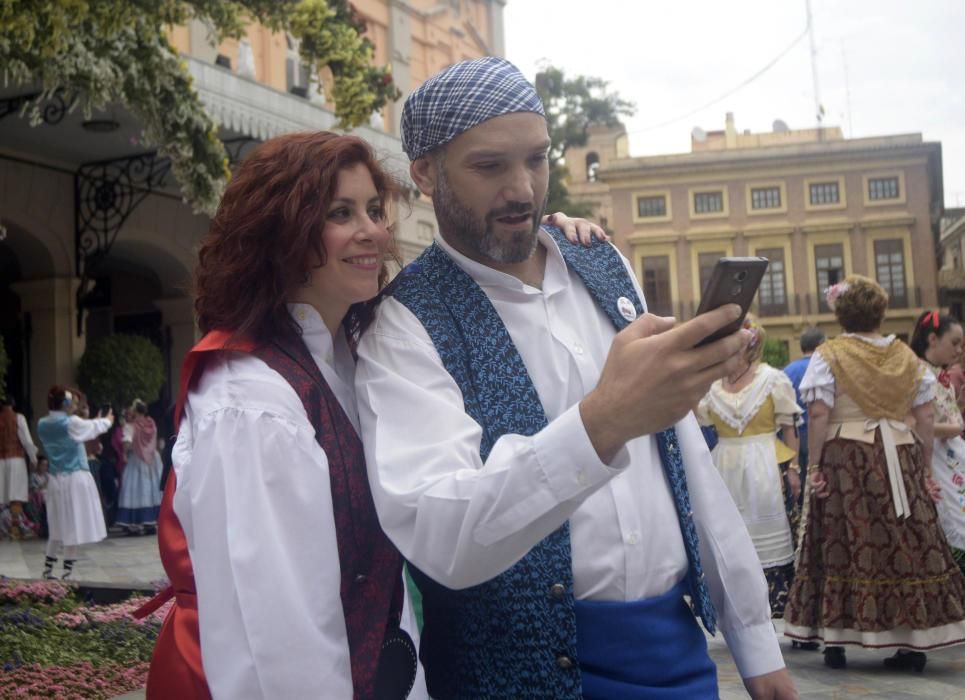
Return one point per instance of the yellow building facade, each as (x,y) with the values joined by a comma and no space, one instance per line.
(58,183)
(818,206)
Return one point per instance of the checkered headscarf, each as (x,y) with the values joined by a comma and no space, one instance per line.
(461,97)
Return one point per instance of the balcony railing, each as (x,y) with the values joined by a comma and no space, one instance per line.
(805,304)
(951,279)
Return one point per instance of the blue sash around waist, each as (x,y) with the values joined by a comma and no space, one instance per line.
(651,649)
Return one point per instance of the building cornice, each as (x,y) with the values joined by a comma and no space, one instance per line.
(904,145)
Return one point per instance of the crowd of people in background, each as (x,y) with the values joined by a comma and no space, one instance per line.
(869,552)
(122,458)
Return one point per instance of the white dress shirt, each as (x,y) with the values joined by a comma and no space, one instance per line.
(26,441)
(84,429)
(464,521)
(254,500)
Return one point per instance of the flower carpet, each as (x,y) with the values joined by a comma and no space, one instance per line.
(55,645)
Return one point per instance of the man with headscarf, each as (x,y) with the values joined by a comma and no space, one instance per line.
(529,438)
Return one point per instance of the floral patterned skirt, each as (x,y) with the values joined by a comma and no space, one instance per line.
(865,577)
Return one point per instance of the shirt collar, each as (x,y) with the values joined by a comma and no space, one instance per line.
(315,333)
(554,276)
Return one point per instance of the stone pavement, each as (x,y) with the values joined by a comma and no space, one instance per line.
(118,559)
(134,560)
(865,676)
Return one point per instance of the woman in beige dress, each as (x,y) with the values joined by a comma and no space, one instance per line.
(874,569)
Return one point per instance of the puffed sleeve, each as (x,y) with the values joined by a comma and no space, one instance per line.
(926,389)
(818,381)
(254,498)
(786,409)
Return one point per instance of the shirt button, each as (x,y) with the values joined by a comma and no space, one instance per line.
(581,477)
(578,349)
(633,538)
(564,662)
(557,590)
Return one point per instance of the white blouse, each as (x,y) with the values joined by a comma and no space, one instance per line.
(818,381)
(254,500)
(738,408)
(464,521)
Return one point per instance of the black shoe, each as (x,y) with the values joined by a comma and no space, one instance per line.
(904,660)
(805,646)
(834,657)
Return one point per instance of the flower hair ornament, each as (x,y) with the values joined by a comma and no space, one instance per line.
(832,293)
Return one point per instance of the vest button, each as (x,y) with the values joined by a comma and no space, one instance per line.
(360,578)
(564,662)
(557,591)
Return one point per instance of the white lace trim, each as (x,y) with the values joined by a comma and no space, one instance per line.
(738,409)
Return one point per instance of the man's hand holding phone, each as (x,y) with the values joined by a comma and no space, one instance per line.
(654,375)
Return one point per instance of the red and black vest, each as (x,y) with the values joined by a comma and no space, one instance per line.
(371,568)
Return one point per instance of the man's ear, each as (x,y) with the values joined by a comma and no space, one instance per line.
(423,172)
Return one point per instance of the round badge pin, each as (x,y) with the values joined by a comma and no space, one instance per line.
(626,308)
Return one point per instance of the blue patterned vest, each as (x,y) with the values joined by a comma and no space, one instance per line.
(513,636)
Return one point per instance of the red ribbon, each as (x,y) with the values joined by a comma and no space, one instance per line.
(930,317)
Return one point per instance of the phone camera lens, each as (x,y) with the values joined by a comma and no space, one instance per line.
(740,276)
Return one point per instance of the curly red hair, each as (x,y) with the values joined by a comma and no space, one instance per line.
(266,237)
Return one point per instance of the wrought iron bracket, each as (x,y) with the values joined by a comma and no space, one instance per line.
(106,193)
(52,111)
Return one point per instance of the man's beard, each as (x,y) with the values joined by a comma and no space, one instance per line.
(469,234)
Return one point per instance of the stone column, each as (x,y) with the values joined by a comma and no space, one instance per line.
(55,347)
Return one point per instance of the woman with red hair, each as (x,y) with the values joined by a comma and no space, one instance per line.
(285,585)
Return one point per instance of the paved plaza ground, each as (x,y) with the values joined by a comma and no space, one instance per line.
(134,561)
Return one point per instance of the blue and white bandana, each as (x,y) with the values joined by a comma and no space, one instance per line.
(461,97)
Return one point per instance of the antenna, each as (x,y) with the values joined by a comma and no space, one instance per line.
(847,91)
(698,134)
(780,126)
(818,109)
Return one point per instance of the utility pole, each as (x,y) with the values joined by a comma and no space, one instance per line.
(818,109)
(847,91)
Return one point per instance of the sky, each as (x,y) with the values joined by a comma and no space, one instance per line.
(883,66)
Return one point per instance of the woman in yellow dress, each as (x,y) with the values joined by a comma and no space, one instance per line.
(874,568)
(747,414)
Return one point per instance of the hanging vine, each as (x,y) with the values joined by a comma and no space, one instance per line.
(103,52)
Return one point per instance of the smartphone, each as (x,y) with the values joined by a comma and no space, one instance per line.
(733,281)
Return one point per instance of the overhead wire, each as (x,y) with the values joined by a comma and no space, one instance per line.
(724,96)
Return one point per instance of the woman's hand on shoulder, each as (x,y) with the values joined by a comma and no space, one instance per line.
(576,230)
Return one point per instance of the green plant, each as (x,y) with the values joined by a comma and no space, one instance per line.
(117,51)
(776,353)
(118,368)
